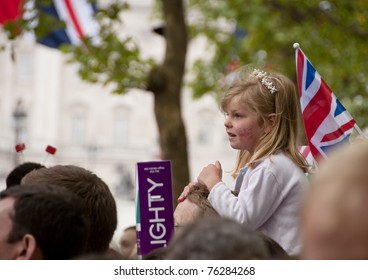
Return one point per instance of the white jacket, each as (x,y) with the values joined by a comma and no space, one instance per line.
(269,200)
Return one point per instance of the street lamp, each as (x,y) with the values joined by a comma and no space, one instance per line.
(19,116)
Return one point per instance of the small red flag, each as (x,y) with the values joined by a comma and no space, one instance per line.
(10,10)
(50,149)
(20,147)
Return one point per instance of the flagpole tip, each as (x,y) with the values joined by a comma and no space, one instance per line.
(296,45)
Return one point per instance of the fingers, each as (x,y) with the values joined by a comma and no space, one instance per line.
(210,175)
(218,165)
(185,192)
(212,172)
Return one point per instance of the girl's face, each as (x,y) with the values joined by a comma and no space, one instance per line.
(242,127)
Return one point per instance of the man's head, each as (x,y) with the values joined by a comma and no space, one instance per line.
(41,222)
(194,206)
(334,223)
(99,203)
(15,176)
(216,238)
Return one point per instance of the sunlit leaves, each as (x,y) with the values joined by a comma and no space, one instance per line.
(333,34)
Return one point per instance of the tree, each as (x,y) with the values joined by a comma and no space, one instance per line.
(114,60)
(164,81)
(333,34)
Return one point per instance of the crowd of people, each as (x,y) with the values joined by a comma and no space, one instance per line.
(272,211)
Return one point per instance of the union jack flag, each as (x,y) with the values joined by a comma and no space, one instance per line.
(326,121)
(78,16)
(306,153)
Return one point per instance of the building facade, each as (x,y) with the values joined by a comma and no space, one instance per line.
(44,102)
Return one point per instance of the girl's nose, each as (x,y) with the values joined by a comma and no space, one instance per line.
(227,123)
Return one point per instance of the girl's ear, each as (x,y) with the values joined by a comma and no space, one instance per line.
(271,120)
(28,249)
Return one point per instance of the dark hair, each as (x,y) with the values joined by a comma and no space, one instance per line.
(156,254)
(15,176)
(109,254)
(52,215)
(216,238)
(274,248)
(99,203)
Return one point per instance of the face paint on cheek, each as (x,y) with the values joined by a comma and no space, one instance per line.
(244,132)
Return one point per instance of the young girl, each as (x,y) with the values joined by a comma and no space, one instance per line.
(262,112)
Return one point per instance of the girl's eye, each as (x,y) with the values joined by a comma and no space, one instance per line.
(236,115)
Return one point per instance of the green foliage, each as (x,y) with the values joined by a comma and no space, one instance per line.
(333,34)
(109,59)
(37,22)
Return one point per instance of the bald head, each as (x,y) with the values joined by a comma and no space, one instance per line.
(334,223)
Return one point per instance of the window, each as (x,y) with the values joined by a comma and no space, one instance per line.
(24,67)
(78,129)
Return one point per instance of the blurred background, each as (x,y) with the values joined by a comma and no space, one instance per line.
(99,108)
(43,101)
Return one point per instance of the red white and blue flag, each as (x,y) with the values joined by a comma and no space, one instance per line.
(326,121)
(307,154)
(79,20)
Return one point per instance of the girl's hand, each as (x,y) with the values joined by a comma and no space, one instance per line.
(210,175)
(185,191)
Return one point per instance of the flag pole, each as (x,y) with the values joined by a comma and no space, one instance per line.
(361,133)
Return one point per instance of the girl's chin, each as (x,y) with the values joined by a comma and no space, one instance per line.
(237,147)
(234,146)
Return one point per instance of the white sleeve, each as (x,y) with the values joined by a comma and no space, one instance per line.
(258,198)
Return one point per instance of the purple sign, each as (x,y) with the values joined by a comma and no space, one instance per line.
(155,221)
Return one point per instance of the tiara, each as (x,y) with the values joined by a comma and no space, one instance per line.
(265,80)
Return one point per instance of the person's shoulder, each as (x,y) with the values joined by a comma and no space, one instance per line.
(280,167)
(287,169)
(279,163)
(274,160)
(280,156)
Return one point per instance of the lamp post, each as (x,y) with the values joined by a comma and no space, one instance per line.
(19,116)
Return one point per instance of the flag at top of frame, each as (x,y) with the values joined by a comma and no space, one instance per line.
(78,16)
(10,10)
(327,123)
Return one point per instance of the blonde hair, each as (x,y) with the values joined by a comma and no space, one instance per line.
(284,104)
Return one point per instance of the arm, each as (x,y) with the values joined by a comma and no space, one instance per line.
(258,198)
(209,176)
